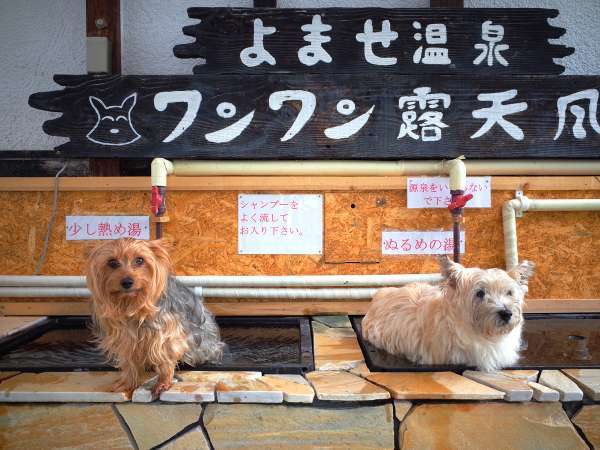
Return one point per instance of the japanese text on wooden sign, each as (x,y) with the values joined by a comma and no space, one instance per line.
(311,117)
(82,228)
(280,224)
(419,242)
(352,40)
(434,192)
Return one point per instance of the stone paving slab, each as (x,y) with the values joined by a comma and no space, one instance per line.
(191,440)
(183,392)
(401,409)
(69,426)
(588,381)
(334,321)
(433,386)
(485,426)
(362,370)
(515,389)
(152,425)
(217,375)
(6,375)
(522,374)
(61,387)
(555,379)
(13,324)
(543,393)
(248,391)
(295,388)
(260,427)
(335,348)
(190,392)
(143,394)
(588,420)
(343,386)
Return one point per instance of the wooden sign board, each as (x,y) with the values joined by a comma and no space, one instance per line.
(323,117)
(365,40)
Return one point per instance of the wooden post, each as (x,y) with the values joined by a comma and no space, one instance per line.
(103,18)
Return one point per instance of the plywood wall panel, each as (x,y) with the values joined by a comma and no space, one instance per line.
(203,229)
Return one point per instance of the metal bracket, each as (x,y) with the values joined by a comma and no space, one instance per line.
(518,194)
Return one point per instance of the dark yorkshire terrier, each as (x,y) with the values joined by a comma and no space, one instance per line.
(143,317)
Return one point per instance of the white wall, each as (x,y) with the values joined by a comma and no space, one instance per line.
(151,28)
(581,19)
(40,38)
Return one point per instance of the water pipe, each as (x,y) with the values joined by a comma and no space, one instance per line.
(238,280)
(516,207)
(185,168)
(458,180)
(291,293)
(159,168)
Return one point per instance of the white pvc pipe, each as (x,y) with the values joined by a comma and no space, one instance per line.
(238,281)
(327,293)
(382,168)
(159,169)
(330,294)
(457,171)
(523,204)
(44,292)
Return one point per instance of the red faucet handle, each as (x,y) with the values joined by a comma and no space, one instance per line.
(156,200)
(459,201)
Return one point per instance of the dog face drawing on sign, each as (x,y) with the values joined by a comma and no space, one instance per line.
(113,125)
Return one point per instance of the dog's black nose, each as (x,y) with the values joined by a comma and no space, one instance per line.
(126,283)
(505,315)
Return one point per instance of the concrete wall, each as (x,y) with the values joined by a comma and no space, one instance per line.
(39,38)
(581,19)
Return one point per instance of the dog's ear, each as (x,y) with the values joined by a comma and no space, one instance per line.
(449,269)
(522,272)
(160,248)
(88,249)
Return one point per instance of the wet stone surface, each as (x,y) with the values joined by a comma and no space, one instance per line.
(151,425)
(62,387)
(433,386)
(523,426)
(587,379)
(61,426)
(588,420)
(299,427)
(344,386)
(334,321)
(335,348)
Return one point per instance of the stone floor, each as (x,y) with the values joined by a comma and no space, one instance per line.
(341,405)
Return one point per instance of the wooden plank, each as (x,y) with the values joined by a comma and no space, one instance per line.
(289,117)
(562,305)
(103,18)
(426,40)
(110,12)
(277,308)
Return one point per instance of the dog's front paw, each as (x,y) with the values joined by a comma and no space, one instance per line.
(161,386)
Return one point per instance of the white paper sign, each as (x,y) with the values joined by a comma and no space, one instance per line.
(434,192)
(84,228)
(419,242)
(280,224)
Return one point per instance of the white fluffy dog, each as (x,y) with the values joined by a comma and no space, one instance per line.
(473,317)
